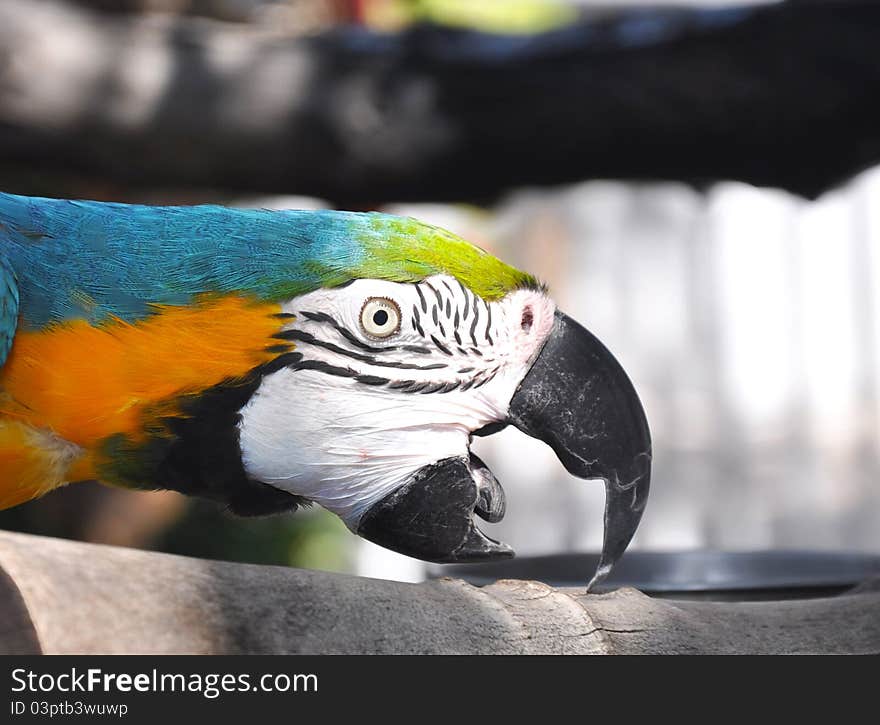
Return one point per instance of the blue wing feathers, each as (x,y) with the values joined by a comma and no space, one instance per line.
(93,259)
(8,307)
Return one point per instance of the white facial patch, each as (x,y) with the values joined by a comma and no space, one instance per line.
(374,399)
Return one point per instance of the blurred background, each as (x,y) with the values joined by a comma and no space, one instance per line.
(697,182)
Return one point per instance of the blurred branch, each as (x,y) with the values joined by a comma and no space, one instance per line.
(62,597)
(783,95)
(236,10)
(306,11)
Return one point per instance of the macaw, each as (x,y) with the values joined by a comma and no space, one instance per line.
(272,359)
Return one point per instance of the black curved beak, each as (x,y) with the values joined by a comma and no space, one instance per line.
(578,400)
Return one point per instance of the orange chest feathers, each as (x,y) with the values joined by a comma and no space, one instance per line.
(80,384)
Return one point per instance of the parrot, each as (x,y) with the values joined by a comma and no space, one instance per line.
(273,359)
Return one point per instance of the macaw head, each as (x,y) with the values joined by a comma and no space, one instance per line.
(431,342)
(269,359)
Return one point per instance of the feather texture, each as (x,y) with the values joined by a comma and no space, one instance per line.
(90,260)
(134,319)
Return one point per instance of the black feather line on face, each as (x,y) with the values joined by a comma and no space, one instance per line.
(489,323)
(309,339)
(440,346)
(436,293)
(400,384)
(327,319)
(474,323)
(406,386)
(417,322)
(487,377)
(322,367)
(467,300)
(415,387)
(423,300)
(372,380)
(432,388)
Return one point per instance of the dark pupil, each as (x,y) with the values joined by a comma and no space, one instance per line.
(380,317)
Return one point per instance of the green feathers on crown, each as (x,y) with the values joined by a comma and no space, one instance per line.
(402,249)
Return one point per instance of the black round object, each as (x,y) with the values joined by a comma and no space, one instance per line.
(715,575)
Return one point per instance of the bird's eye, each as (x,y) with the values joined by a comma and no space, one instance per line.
(380,317)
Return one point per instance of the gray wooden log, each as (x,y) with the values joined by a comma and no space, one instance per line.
(66,597)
